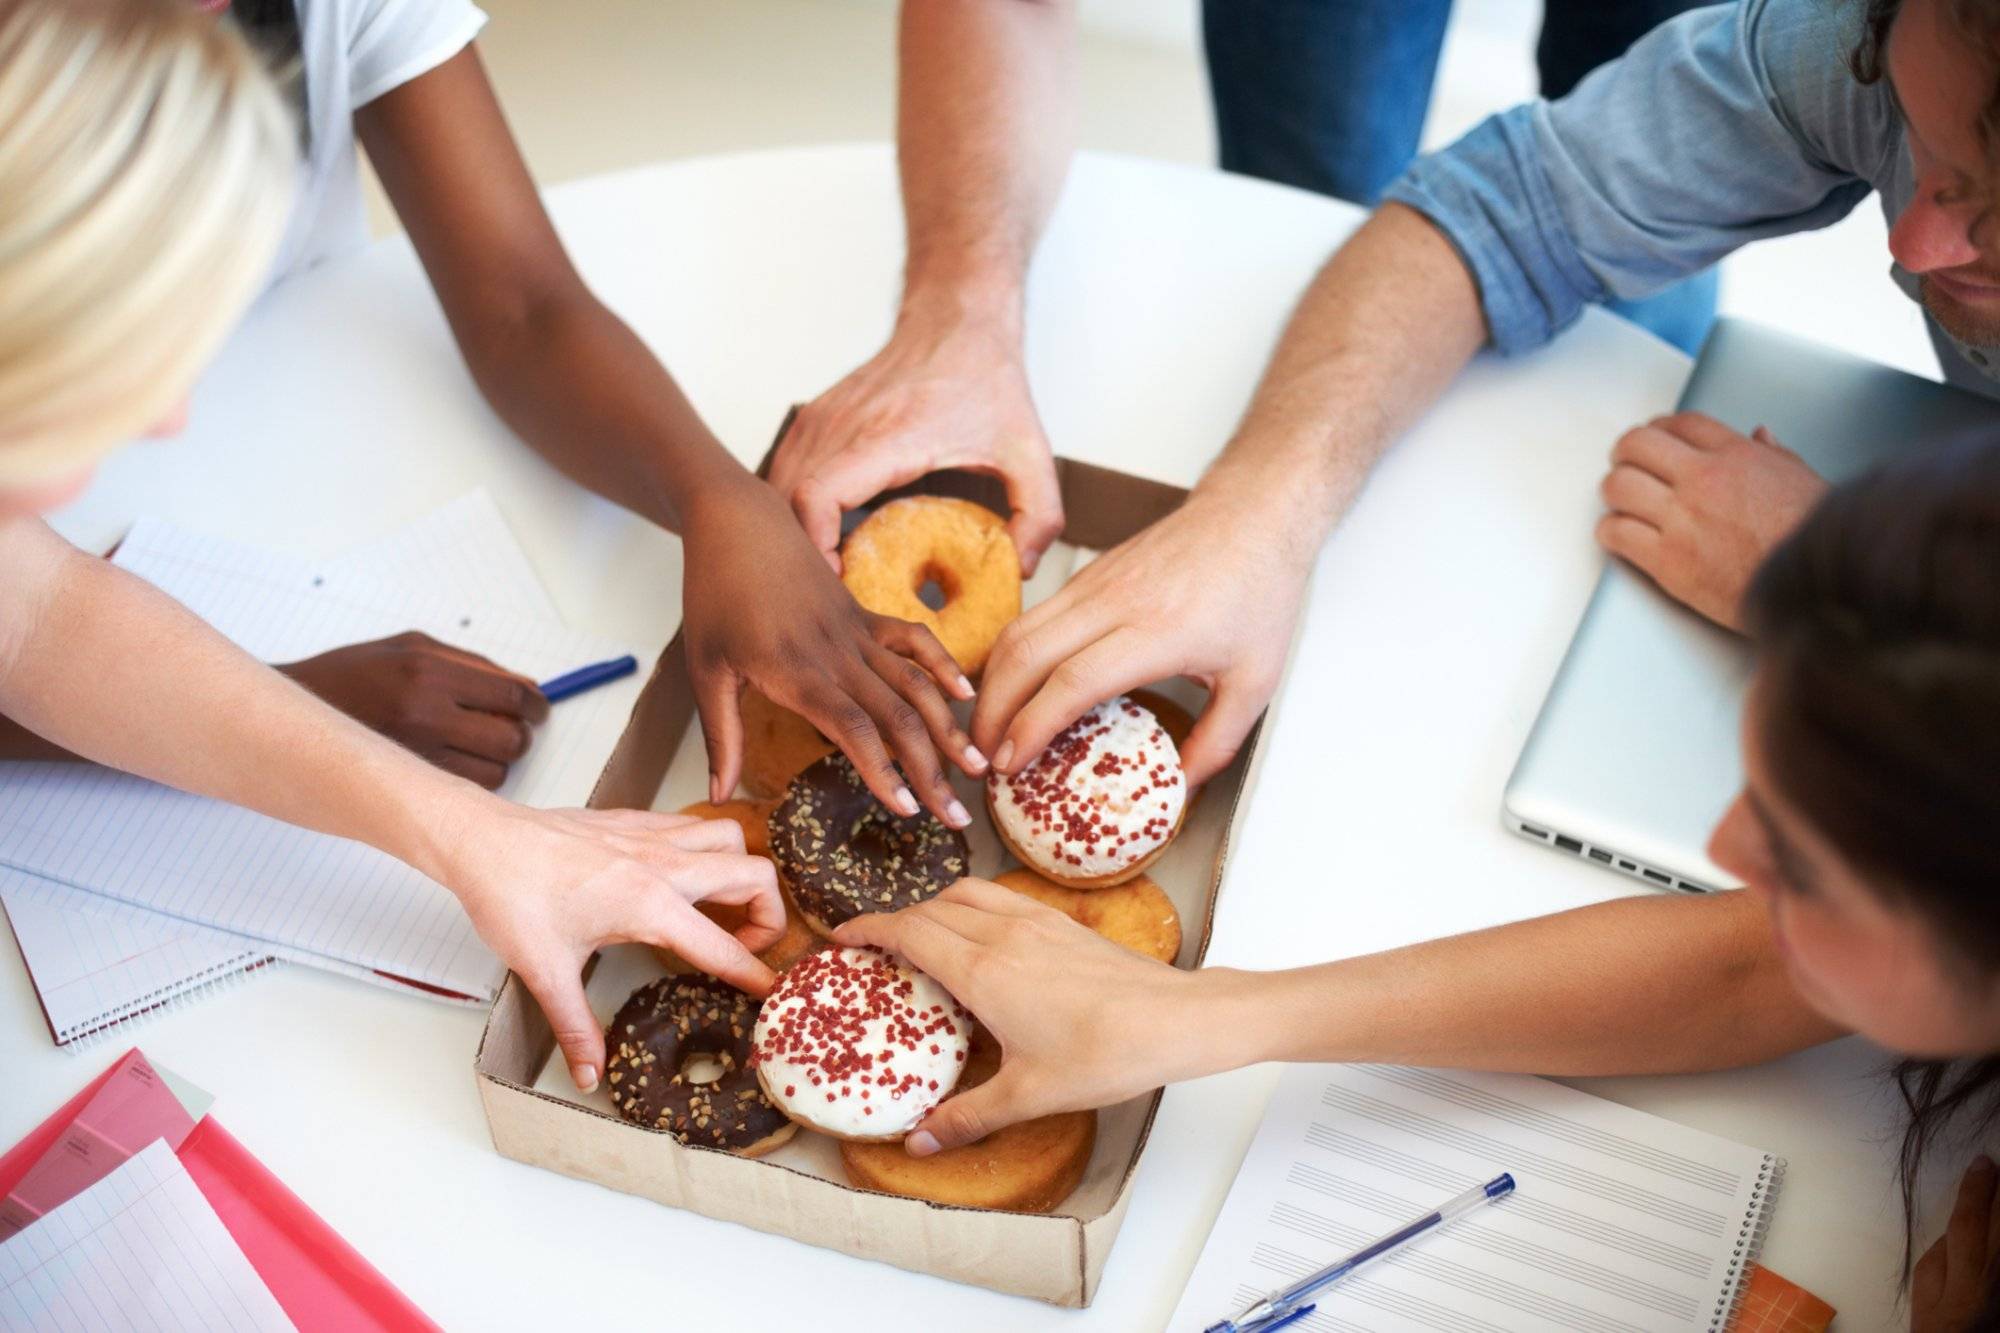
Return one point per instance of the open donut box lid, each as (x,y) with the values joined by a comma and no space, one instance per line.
(1058,1257)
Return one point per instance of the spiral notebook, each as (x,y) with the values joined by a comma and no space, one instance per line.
(1619,1221)
(126,897)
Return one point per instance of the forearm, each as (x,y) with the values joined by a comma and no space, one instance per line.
(580,388)
(1635,986)
(101,664)
(565,373)
(1387,324)
(986,113)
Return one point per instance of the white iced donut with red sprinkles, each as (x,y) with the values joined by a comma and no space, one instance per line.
(859,1045)
(1100,803)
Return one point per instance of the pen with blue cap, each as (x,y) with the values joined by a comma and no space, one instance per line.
(588,678)
(1290,1304)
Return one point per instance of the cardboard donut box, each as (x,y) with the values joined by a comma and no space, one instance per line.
(800,1191)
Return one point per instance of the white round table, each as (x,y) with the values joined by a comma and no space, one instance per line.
(340,409)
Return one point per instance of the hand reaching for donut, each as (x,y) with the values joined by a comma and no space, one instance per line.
(938,395)
(1210,592)
(761,608)
(1081,1022)
(547,888)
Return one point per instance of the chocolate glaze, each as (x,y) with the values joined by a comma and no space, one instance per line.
(844,854)
(656,1030)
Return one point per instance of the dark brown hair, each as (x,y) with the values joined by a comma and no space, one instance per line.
(1976,20)
(1877,627)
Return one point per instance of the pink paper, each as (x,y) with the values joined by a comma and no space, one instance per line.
(129,1109)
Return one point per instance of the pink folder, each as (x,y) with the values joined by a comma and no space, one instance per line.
(320,1280)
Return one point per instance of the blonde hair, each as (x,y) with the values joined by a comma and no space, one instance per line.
(146,169)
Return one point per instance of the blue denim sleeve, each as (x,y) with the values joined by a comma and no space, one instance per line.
(1720,127)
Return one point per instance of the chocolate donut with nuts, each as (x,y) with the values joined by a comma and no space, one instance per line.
(841,853)
(652,1038)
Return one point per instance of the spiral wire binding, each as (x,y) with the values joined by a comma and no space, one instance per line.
(167,999)
(1749,1242)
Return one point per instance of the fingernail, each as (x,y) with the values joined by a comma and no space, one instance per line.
(905,802)
(921,1144)
(964,688)
(715,789)
(973,759)
(1004,755)
(958,814)
(585,1076)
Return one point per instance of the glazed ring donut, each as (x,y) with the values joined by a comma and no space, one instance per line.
(777,743)
(1137,914)
(841,853)
(1026,1168)
(857,1044)
(1099,804)
(960,546)
(650,1041)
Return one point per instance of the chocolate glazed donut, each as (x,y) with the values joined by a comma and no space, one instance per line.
(841,853)
(653,1035)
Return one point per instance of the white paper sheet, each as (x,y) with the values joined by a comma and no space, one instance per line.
(1620,1220)
(140,1249)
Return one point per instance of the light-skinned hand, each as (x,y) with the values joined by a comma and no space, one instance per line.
(759,607)
(1210,592)
(936,396)
(547,888)
(1697,506)
(1081,1022)
(1952,1284)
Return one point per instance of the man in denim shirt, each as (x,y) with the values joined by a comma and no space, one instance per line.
(1723,126)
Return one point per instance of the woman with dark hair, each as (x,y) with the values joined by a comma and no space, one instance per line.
(1865,832)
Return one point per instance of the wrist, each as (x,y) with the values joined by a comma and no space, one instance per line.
(445,827)
(981,302)
(1266,503)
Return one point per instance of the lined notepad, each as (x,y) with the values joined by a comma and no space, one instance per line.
(1620,1220)
(283,890)
(140,1249)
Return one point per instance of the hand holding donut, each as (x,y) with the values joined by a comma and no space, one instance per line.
(1082,1022)
(940,394)
(1209,592)
(761,608)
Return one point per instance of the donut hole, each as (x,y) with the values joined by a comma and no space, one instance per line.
(935,586)
(700,1068)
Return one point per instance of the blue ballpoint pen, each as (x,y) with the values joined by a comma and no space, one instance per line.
(1282,1307)
(588,678)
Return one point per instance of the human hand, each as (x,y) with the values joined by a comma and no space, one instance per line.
(547,888)
(1210,592)
(759,607)
(1697,507)
(465,714)
(1952,1284)
(1081,1022)
(936,396)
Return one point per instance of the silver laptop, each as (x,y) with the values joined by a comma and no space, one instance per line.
(1634,757)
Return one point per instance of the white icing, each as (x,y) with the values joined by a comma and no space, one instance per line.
(1136,809)
(922,1072)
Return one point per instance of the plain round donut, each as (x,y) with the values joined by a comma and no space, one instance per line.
(1030,1167)
(841,853)
(651,1039)
(1137,914)
(858,1044)
(960,546)
(777,743)
(1099,804)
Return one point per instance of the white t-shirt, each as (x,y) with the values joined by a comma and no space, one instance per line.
(354,51)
